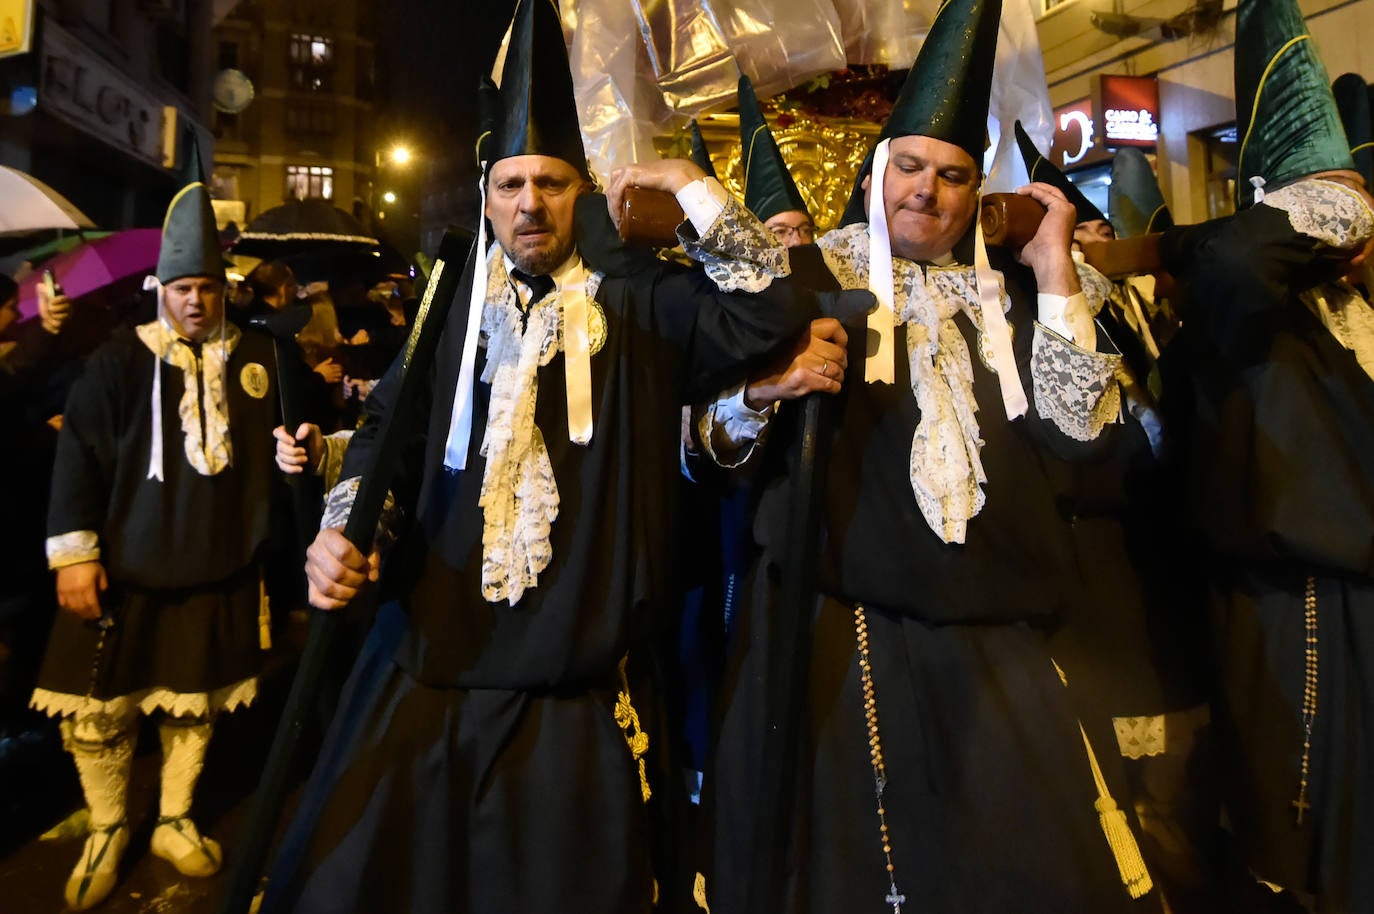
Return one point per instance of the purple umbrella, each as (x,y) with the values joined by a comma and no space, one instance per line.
(94,265)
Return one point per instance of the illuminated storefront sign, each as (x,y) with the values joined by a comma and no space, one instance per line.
(1129,107)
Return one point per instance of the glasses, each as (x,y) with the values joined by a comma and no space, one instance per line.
(803,233)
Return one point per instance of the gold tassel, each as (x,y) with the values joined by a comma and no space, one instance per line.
(264,617)
(1134,875)
(699,893)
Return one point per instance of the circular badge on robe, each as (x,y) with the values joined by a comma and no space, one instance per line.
(985,348)
(253,377)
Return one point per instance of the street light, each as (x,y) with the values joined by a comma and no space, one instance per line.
(389,197)
(397,156)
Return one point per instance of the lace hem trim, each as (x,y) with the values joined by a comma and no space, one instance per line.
(73,548)
(1075,388)
(178,704)
(1140,737)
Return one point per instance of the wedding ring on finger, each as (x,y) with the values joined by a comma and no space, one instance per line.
(825,368)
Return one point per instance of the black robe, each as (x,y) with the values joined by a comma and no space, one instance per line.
(181,554)
(990,797)
(1276,420)
(482,768)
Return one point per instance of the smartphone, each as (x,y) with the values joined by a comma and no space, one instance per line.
(54,288)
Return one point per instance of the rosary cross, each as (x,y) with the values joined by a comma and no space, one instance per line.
(896,901)
(1301,804)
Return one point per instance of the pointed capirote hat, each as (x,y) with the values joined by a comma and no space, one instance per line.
(1136,202)
(1042,169)
(538,111)
(768,186)
(1357,117)
(700,154)
(1285,113)
(190,238)
(946,92)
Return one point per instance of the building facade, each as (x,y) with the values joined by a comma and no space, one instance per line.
(1187,48)
(96,101)
(304,129)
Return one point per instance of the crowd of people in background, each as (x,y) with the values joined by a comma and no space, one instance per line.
(944,576)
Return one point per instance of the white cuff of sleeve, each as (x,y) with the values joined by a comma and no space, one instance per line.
(703,201)
(1057,313)
(73,548)
(739,424)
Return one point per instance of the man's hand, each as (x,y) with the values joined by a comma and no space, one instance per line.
(336,570)
(291,457)
(1048,252)
(359,339)
(330,370)
(53,311)
(817,363)
(79,588)
(670,175)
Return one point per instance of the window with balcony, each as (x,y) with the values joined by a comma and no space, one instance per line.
(311,120)
(305,182)
(311,62)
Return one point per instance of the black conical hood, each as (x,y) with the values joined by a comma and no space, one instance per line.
(1137,204)
(768,187)
(488,118)
(1357,116)
(1285,114)
(946,93)
(700,154)
(1041,169)
(538,108)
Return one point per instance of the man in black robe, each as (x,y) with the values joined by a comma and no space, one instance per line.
(941,766)
(159,513)
(1272,397)
(502,756)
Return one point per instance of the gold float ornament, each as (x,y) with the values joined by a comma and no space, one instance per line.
(823,155)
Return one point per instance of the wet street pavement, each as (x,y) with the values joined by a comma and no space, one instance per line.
(39,790)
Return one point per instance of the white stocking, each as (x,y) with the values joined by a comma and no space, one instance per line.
(184,740)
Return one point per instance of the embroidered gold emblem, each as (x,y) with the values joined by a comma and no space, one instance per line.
(254,380)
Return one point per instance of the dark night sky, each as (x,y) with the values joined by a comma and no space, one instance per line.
(430,56)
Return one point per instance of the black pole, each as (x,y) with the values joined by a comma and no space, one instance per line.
(445,284)
(790,627)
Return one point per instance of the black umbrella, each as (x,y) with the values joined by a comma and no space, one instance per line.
(302,225)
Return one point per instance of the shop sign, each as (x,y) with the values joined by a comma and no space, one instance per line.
(16,27)
(1129,107)
(81,89)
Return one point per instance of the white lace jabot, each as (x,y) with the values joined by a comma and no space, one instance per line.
(519,497)
(213,453)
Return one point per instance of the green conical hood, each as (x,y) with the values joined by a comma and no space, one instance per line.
(768,188)
(700,154)
(1137,204)
(538,109)
(193,169)
(1042,169)
(946,92)
(1285,113)
(1353,103)
(190,241)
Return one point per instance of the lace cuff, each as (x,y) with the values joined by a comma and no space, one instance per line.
(73,548)
(739,254)
(338,504)
(1331,213)
(1075,388)
(730,431)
